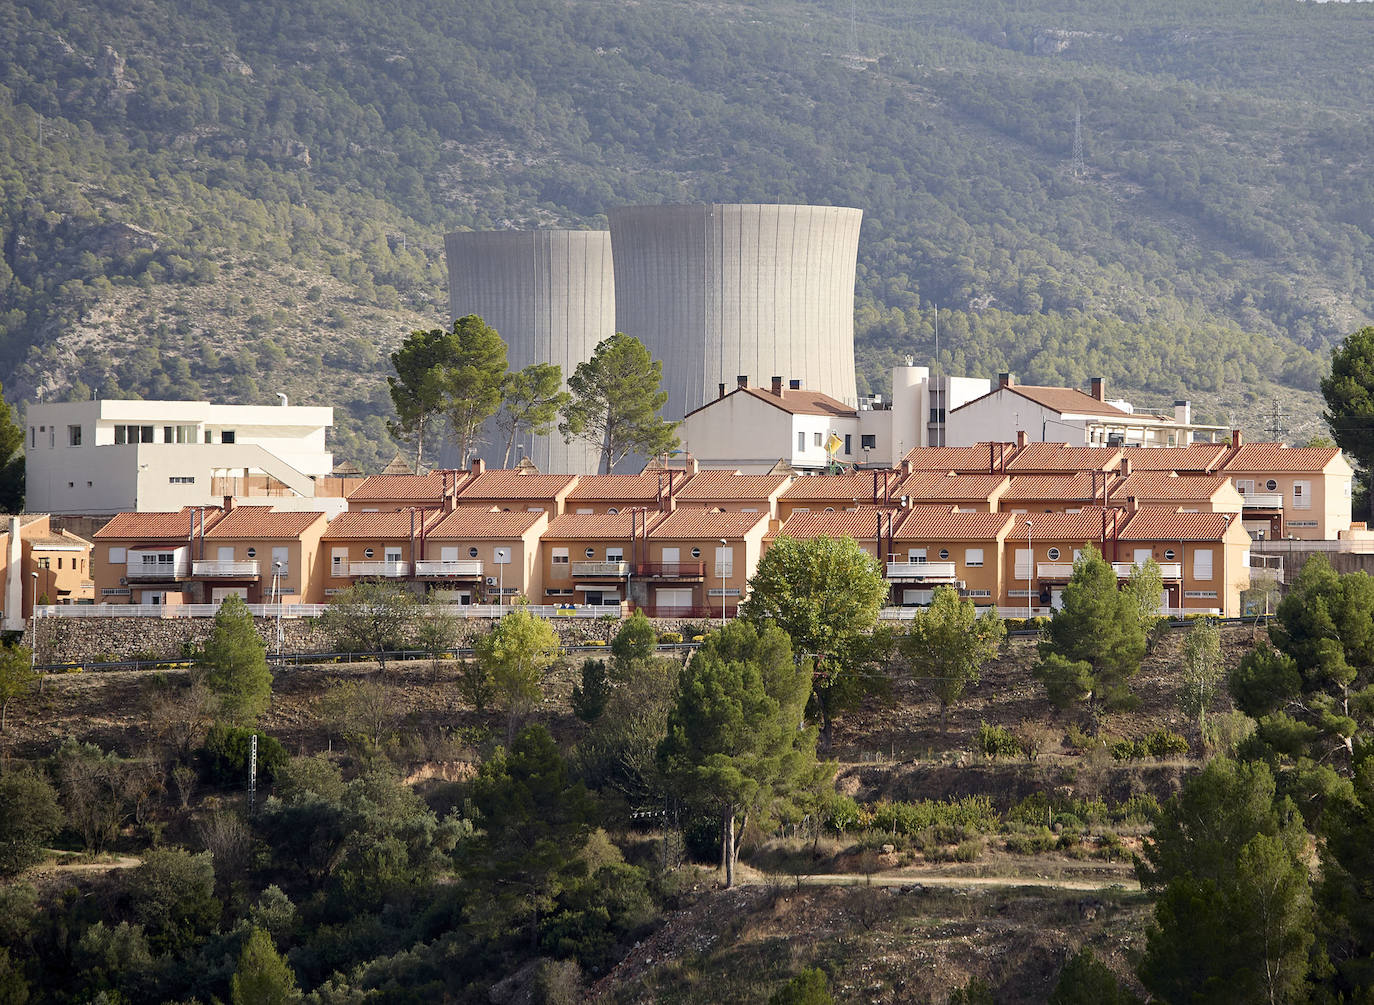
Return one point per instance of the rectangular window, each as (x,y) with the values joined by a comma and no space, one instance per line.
(1302,495)
(209,436)
(146,433)
(33,437)
(73,436)
(281,561)
(44,563)
(847,443)
(868,441)
(817,438)
(181,479)
(916,555)
(391,554)
(1023,564)
(801,442)
(725,561)
(117,556)
(169,434)
(1245,486)
(977,593)
(1202,563)
(560,556)
(973,557)
(615,554)
(501,556)
(338,561)
(227,436)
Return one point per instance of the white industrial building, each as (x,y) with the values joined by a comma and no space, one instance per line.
(106,456)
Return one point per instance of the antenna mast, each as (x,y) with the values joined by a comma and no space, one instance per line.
(1078,170)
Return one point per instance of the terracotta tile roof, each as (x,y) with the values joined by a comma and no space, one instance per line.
(1085,525)
(354,525)
(1051,458)
(855,486)
(595,526)
(1162,523)
(795,401)
(861,525)
(263,523)
(700,523)
(936,486)
(929,523)
(711,486)
(640,489)
(1064,400)
(474,524)
(512,483)
(1148,486)
(959,459)
(1196,457)
(1065,488)
(1275,458)
(154,526)
(64,540)
(408,488)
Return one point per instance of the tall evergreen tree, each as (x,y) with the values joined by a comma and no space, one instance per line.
(417,389)
(615,402)
(263,977)
(474,382)
(532,400)
(1349,394)
(234,663)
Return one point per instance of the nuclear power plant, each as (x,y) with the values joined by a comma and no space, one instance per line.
(551,296)
(715,292)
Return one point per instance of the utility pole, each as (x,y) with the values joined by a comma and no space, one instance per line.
(1078,169)
(1277,424)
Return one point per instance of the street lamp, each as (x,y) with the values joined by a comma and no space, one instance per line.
(1030,569)
(277,585)
(721,563)
(33,642)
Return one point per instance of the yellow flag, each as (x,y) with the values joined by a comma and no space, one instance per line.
(834,443)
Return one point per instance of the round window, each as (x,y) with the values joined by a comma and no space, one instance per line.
(1169,554)
(612,511)
(830,509)
(590,552)
(367,553)
(696,552)
(472,553)
(1054,554)
(944,553)
(252,552)
(1271,485)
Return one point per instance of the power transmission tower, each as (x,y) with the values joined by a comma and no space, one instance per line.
(1078,169)
(1276,427)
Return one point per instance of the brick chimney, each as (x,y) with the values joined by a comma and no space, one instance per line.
(1021,438)
(742,380)
(1125,467)
(777,386)
(1006,379)
(1236,439)
(1099,386)
(478,465)
(228,504)
(1132,504)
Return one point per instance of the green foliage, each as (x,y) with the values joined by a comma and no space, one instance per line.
(1234,911)
(93,785)
(11,459)
(224,758)
(234,664)
(29,817)
(516,653)
(996,741)
(590,697)
(473,379)
(733,745)
(172,895)
(17,677)
(1201,671)
(619,755)
(1145,586)
(1086,980)
(1349,394)
(615,400)
(262,976)
(633,647)
(418,388)
(825,593)
(112,956)
(810,987)
(532,399)
(948,644)
(1160,744)
(1094,643)
(371,617)
(976,992)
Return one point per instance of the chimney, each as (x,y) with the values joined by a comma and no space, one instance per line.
(721,392)
(1021,439)
(478,465)
(228,504)
(1183,412)
(1132,504)
(742,380)
(1236,439)
(777,386)
(1099,385)
(1125,467)
(1006,379)
(794,384)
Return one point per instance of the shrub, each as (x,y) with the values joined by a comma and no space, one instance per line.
(224,758)
(670,638)
(969,850)
(995,742)
(1035,842)
(1163,743)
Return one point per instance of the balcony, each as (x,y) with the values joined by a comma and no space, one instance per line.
(1263,500)
(379,570)
(1167,570)
(1048,570)
(614,570)
(671,570)
(225,570)
(466,569)
(157,571)
(921,572)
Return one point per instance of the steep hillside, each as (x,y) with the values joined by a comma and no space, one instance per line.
(202,199)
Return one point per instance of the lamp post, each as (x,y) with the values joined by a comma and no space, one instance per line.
(277,585)
(721,563)
(33,642)
(501,554)
(1030,569)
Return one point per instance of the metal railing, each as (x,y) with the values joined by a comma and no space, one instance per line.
(920,570)
(157,570)
(1167,570)
(1262,500)
(671,570)
(619,569)
(468,568)
(387,570)
(225,568)
(315,610)
(676,611)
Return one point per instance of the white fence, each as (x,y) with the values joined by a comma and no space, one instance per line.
(171,611)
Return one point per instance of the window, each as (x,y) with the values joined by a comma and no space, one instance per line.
(696,552)
(182,479)
(847,446)
(117,556)
(978,593)
(368,553)
(944,553)
(1202,563)
(73,436)
(252,552)
(52,438)
(145,434)
(612,511)
(391,555)
(916,555)
(1053,554)
(281,561)
(227,436)
(973,557)
(801,442)
(33,437)
(337,558)
(1169,554)
(560,556)
(868,441)
(44,563)
(1271,485)
(59,561)
(472,553)
(817,438)
(169,434)
(585,512)
(1302,495)
(615,554)
(209,437)
(1245,486)
(725,561)
(590,552)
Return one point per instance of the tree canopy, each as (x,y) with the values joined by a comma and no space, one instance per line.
(234,664)
(531,400)
(948,644)
(1349,394)
(615,402)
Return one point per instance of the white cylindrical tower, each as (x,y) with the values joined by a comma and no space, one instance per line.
(551,296)
(722,291)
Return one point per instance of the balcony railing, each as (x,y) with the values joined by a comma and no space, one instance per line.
(671,570)
(1167,570)
(1263,500)
(679,611)
(157,570)
(466,569)
(920,570)
(227,570)
(385,570)
(616,569)
(1048,570)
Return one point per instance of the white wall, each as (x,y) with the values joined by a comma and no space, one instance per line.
(999,416)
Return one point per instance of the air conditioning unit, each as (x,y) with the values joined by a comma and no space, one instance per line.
(491,580)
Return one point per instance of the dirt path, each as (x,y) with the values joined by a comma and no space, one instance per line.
(1122,882)
(119,862)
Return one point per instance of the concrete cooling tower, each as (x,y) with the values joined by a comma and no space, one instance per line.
(551,295)
(720,291)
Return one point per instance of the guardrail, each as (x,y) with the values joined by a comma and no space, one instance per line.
(172,611)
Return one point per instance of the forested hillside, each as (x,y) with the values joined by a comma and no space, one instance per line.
(215,199)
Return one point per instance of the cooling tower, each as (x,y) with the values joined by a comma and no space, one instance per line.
(551,295)
(720,291)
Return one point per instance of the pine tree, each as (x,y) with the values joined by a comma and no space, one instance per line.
(616,400)
(234,663)
(263,977)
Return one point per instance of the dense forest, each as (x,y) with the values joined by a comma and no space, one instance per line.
(202,199)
